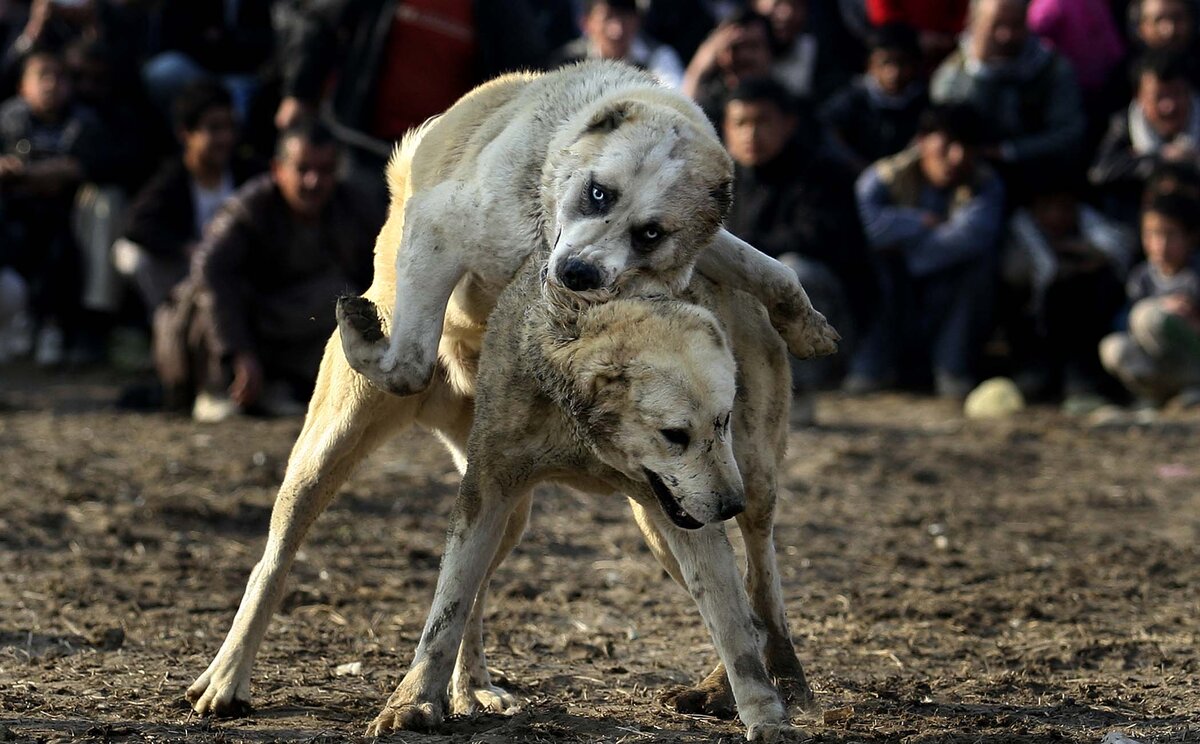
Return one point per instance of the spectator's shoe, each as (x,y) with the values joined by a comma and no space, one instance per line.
(952,386)
(856,384)
(277,400)
(212,408)
(50,347)
(1188,399)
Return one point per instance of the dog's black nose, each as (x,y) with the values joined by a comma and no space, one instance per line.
(578,275)
(731,508)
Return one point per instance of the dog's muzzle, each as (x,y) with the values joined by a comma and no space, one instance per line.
(578,275)
(670,505)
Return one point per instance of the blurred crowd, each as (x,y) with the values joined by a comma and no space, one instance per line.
(967,188)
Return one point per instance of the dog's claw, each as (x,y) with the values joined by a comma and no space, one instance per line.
(769,733)
(716,701)
(489,699)
(209,698)
(810,336)
(405,371)
(405,717)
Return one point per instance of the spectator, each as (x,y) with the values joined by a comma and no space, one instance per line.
(1161,124)
(229,41)
(397,64)
(876,115)
(170,213)
(795,204)
(275,258)
(801,62)
(1158,357)
(612,30)
(1025,92)
(738,49)
(48,147)
(931,216)
(938,22)
(1164,24)
(1062,268)
(685,24)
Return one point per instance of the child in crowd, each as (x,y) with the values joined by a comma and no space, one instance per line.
(876,115)
(1062,270)
(1158,357)
(48,146)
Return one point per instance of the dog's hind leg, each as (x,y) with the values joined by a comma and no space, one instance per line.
(471,689)
(732,262)
(477,529)
(346,419)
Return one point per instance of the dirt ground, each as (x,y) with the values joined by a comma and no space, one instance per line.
(1029,580)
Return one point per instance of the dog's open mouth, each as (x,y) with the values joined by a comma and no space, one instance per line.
(669,504)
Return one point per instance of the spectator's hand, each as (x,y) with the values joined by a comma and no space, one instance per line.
(708,56)
(1181,305)
(1178,149)
(247,379)
(291,110)
(11,167)
(40,12)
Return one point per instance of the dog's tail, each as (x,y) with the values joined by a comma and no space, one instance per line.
(400,164)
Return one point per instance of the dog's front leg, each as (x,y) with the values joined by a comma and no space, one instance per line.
(429,263)
(478,523)
(711,573)
(732,262)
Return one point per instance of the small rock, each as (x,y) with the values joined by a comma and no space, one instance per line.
(352,669)
(1116,737)
(109,639)
(994,398)
(837,715)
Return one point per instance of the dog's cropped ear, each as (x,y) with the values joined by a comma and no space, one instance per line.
(596,373)
(610,117)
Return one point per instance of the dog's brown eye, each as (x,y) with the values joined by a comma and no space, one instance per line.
(676,436)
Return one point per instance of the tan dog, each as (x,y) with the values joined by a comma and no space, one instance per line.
(637,397)
(535,188)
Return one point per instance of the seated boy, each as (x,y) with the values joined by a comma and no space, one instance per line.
(1158,357)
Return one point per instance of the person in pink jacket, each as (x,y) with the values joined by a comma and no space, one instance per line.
(1084,32)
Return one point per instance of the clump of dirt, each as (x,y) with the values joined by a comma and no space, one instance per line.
(1034,579)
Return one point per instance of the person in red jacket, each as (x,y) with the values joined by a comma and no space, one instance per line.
(939,22)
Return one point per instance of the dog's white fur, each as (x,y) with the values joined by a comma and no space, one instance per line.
(454,245)
(638,397)
(623,179)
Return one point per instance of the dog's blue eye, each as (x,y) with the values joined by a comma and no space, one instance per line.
(676,436)
(598,194)
(650,233)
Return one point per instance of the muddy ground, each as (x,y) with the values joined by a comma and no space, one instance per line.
(1029,580)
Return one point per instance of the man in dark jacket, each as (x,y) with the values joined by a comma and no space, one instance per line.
(397,63)
(1161,124)
(274,260)
(168,216)
(794,203)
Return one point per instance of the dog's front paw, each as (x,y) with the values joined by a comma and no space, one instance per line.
(406,716)
(705,699)
(810,335)
(406,370)
(768,733)
(489,699)
(219,692)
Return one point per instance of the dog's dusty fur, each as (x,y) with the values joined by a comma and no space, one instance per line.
(348,416)
(636,397)
(623,180)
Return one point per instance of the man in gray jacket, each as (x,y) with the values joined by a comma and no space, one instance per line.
(1026,92)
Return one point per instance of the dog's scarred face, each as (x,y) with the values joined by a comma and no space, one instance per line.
(633,200)
(659,409)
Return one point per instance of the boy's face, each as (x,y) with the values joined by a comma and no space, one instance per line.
(998,30)
(1166,104)
(44,86)
(789,18)
(892,69)
(944,161)
(611,30)
(213,139)
(756,131)
(1167,243)
(1165,24)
